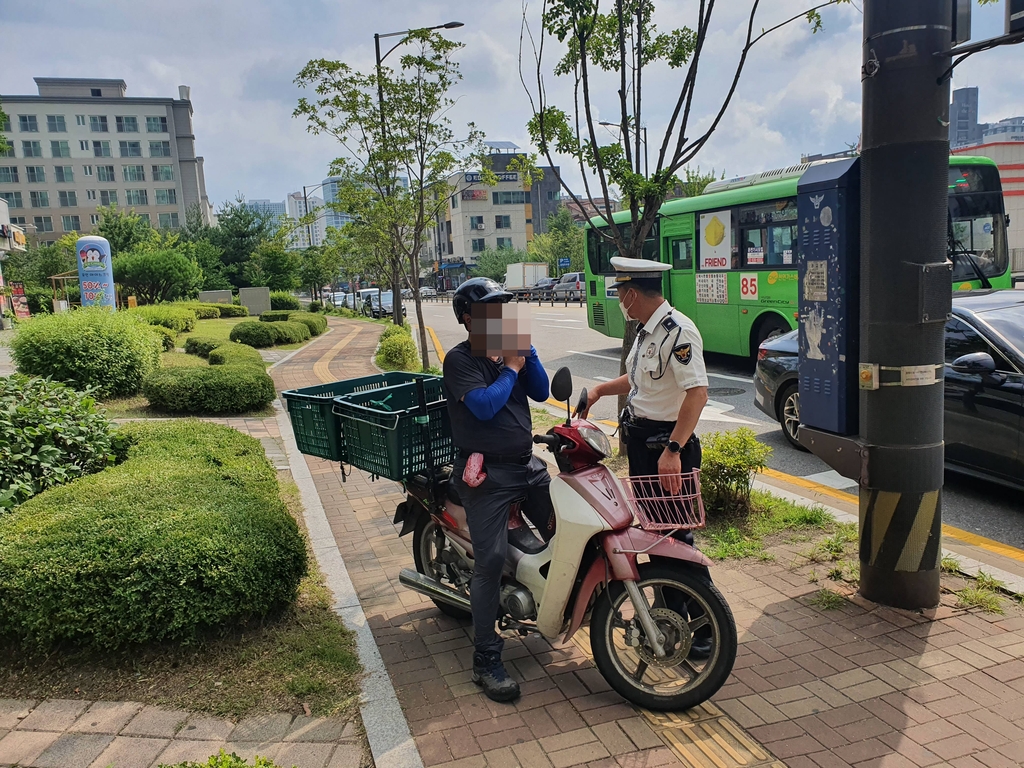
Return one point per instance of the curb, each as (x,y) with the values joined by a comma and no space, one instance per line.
(387,730)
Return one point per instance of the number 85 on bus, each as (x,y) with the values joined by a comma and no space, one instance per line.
(748,287)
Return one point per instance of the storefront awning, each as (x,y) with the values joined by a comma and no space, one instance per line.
(454,265)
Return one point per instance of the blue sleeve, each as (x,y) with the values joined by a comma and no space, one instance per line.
(535,378)
(485,402)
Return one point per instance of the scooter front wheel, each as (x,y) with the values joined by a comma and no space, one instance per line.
(699,639)
(428,546)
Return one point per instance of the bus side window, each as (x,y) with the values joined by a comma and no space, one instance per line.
(682,254)
(753,248)
(782,246)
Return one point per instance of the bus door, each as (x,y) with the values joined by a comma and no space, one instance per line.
(715,286)
(679,253)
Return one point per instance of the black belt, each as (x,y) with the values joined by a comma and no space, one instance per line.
(500,458)
(640,423)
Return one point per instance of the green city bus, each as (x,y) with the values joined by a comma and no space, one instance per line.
(739,296)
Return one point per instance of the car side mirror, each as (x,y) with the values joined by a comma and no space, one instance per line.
(561,384)
(976,363)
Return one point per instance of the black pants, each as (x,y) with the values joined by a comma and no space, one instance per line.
(487,508)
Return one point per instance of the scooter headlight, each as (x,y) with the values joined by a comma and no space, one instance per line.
(596,439)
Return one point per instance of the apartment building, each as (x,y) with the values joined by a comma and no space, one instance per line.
(313,233)
(82,143)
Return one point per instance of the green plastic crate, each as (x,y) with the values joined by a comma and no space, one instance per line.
(383,432)
(316,427)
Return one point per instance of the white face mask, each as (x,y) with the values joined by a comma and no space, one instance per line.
(622,308)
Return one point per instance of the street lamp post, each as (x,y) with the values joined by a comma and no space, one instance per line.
(643,129)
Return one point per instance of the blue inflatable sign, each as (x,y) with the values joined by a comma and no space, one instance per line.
(95,272)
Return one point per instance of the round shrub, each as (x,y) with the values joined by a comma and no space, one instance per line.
(276,316)
(397,353)
(317,324)
(201,345)
(236,354)
(177,318)
(283,300)
(395,330)
(91,347)
(49,434)
(289,333)
(316,306)
(254,333)
(187,535)
(166,335)
(210,389)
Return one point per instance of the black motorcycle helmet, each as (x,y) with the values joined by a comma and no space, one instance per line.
(477,290)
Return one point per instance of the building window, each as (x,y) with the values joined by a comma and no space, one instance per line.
(96,92)
(159,149)
(476,222)
(64,174)
(479,245)
(8,174)
(90,194)
(13,199)
(71,223)
(144,217)
(43,223)
(505,242)
(94,219)
(98,124)
(87,169)
(105,173)
(156,125)
(503,222)
(101,149)
(130,148)
(9,152)
(5,125)
(35,174)
(60,149)
(80,119)
(39,199)
(551,194)
(510,198)
(28,124)
(83,145)
(168,221)
(56,124)
(108,197)
(455,201)
(127,124)
(136,197)
(32,149)
(163,173)
(529,221)
(18,221)
(68,199)
(134,172)
(167,197)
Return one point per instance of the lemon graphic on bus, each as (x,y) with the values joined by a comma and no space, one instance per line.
(714,232)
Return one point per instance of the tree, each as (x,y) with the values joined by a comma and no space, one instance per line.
(35,266)
(493,262)
(273,266)
(695,182)
(239,232)
(195,228)
(158,275)
(4,145)
(123,229)
(320,265)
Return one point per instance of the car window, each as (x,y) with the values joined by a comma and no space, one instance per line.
(962,339)
(1009,323)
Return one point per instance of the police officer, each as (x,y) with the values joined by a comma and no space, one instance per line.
(487,382)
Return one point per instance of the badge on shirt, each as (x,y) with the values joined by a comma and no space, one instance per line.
(650,350)
(683,353)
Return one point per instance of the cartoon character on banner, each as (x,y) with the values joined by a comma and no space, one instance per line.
(95,272)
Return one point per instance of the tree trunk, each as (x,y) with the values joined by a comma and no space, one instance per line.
(418,301)
(396,290)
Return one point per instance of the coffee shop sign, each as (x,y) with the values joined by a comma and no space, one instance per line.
(473,178)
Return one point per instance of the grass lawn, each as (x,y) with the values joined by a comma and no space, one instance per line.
(303,657)
(220,328)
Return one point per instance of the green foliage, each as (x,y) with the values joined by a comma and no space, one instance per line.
(563,240)
(742,533)
(729,462)
(209,258)
(49,434)
(397,352)
(232,310)
(278,315)
(282,300)
(254,334)
(493,262)
(201,346)
(987,581)
(240,230)
(156,276)
(173,316)
(827,600)
(236,354)
(203,311)
(320,266)
(188,534)
(950,564)
(91,347)
(695,182)
(224,760)
(212,389)
(317,324)
(166,335)
(40,300)
(273,266)
(289,332)
(35,266)
(4,146)
(316,306)
(391,330)
(124,229)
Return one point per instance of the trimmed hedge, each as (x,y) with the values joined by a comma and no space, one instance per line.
(283,300)
(187,535)
(49,434)
(166,335)
(317,324)
(210,389)
(254,334)
(178,319)
(316,306)
(236,354)
(289,332)
(276,316)
(204,311)
(201,345)
(91,347)
(223,310)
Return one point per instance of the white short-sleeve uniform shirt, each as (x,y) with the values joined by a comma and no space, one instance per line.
(667,359)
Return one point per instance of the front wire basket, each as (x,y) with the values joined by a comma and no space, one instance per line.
(656,510)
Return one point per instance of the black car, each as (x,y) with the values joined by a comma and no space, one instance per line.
(984,385)
(544,286)
(374,305)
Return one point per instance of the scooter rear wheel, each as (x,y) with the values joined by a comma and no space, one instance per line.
(682,602)
(427,555)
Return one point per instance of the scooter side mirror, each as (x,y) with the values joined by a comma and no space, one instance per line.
(561,384)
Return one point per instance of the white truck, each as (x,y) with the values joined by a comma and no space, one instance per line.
(524,275)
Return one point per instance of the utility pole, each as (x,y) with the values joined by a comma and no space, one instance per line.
(905,297)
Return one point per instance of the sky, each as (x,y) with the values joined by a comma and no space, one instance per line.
(800,93)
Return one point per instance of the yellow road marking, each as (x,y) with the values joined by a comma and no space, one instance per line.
(322,367)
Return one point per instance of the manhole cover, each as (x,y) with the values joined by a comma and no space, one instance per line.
(725,391)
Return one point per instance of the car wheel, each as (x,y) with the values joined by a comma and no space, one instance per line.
(788,411)
(769,328)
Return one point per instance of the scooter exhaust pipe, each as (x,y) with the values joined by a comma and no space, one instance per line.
(433,588)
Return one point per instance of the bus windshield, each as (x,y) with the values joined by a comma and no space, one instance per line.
(977,225)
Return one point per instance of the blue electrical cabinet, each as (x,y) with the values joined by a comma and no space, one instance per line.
(828,211)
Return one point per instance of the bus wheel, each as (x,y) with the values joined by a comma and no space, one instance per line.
(768,328)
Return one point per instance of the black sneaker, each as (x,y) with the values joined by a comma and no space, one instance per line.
(489,673)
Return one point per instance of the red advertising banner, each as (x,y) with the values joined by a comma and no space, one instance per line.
(20,301)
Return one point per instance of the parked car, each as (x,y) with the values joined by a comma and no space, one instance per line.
(569,286)
(544,285)
(426,290)
(382,305)
(984,386)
